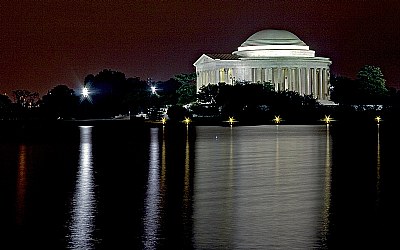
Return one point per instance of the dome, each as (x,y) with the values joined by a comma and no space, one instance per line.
(273,43)
(273,37)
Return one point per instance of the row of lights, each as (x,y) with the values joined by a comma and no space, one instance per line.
(327,119)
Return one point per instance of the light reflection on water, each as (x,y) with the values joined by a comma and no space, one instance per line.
(152,208)
(378,167)
(82,221)
(261,187)
(21,183)
(272,194)
(327,191)
(186,182)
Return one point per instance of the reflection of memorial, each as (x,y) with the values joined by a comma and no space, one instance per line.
(186,179)
(327,189)
(275,56)
(378,168)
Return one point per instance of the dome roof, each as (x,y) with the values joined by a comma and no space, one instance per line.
(273,43)
(273,37)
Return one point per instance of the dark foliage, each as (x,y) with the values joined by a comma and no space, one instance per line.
(60,103)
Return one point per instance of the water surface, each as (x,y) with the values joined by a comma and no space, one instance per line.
(204,187)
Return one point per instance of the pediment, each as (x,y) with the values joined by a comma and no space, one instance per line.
(203,59)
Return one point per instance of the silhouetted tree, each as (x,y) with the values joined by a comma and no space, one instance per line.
(60,102)
(368,88)
(344,90)
(5,107)
(5,101)
(137,97)
(167,91)
(111,93)
(177,113)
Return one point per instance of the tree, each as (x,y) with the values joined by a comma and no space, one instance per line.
(372,84)
(186,78)
(344,90)
(168,91)
(177,113)
(208,93)
(138,96)
(186,93)
(109,91)
(368,88)
(5,106)
(60,102)
(5,101)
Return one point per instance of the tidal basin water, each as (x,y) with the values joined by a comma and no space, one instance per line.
(201,187)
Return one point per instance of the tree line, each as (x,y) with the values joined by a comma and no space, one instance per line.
(111,93)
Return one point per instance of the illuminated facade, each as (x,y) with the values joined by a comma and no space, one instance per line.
(275,56)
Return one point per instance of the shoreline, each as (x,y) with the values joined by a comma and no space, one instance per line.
(195,122)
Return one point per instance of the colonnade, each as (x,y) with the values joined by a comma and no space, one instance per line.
(304,80)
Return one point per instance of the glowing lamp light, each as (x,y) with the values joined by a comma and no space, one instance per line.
(378,119)
(327,119)
(277,119)
(187,121)
(85,92)
(231,120)
(153,90)
(164,120)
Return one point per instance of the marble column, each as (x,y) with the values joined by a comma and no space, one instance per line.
(298,77)
(315,87)
(321,93)
(275,78)
(292,80)
(307,81)
(262,75)
(327,83)
(270,72)
(259,75)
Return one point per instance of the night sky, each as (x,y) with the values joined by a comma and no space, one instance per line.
(44,43)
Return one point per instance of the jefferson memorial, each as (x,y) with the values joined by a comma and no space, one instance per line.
(275,56)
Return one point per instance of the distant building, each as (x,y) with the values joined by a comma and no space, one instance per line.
(275,56)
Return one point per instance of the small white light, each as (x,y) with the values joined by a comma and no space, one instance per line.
(85,92)
(153,90)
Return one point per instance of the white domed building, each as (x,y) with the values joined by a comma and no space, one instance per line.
(275,56)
